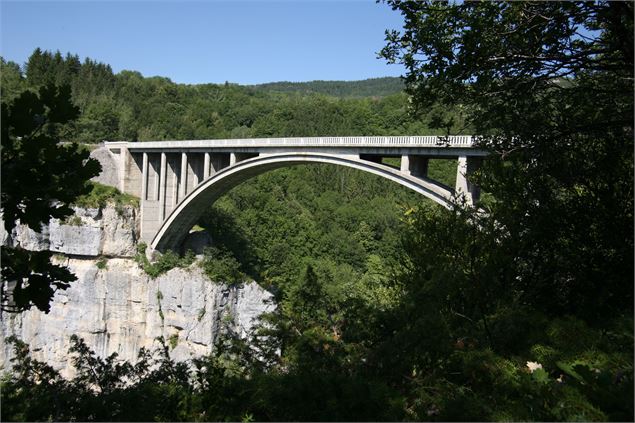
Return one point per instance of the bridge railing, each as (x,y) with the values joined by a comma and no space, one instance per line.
(378,141)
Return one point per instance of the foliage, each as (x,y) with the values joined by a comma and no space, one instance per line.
(100,195)
(73,220)
(374,87)
(220,266)
(336,216)
(562,164)
(41,178)
(102,389)
(127,106)
(173,340)
(102,264)
(546,267)
(165,262)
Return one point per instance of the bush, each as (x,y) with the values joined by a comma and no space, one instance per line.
(101,195)
(167,261)
(221,266)
(73,220)
(102,264)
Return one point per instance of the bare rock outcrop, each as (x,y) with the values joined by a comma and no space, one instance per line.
(114,305)
(109,231)
(119,308)
(109,167)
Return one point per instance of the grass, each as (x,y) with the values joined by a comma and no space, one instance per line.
(100,195)
(73,220)
(173,340)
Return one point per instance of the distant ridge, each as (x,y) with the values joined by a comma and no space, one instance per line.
(373,87)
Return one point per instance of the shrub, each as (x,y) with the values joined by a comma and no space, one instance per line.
(167,261)
(101,195)
(221,266)
(102,264)
(73,220)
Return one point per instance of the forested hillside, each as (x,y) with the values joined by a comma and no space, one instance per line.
(127,106)
(374,87)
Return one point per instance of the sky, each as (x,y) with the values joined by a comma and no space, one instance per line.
(240,41)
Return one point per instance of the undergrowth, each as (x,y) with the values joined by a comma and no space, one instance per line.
(167,261)
(101,195)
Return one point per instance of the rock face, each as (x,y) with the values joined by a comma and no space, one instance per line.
(109,167)
(121,309)
(115,306)
(111,231)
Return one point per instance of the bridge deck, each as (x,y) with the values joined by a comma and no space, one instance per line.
(427,141)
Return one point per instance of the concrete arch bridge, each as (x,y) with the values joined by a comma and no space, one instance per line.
(177,180)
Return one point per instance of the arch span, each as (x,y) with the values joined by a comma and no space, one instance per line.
(190,209)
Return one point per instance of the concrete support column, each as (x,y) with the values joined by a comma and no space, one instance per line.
(206,165)
(144,178)
(414,165)
(173,187)
(465,167)
(183,178)
(144,188)
(232,159)
(162,180)
(405,163)
(157,182)
(123,165)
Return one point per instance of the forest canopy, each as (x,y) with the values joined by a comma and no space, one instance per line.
(129,107)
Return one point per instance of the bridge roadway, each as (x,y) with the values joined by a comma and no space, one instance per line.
(177,180)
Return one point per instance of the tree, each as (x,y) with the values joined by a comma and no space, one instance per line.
(38,68)
(41,176)
(550,85)
(12,80)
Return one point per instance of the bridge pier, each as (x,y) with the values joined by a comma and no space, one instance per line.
(466,167)
(415,165)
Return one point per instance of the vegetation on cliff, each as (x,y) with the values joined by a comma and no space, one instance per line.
(100,195)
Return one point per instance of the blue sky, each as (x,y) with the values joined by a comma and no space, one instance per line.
(239,41)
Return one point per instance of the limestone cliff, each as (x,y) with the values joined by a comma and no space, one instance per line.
(114,305)
(109,231)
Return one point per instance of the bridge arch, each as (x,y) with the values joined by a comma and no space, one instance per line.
(189,210)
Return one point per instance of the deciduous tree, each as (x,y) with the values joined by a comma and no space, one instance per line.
(41,176)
